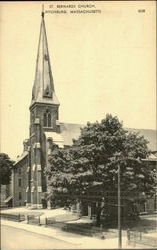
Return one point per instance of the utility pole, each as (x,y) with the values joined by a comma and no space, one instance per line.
(119,211)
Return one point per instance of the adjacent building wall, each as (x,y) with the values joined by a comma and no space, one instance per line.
(20,181)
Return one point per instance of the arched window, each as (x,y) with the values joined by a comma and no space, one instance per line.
(45,120)
(49,120)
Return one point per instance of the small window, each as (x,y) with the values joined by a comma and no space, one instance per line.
(20,196)
(19,171)
(47,92)
(19,182)
(45,120)
(49,120)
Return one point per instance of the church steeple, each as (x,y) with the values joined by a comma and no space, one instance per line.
(44,121)
(43,89)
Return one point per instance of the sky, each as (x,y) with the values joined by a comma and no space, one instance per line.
(102,62)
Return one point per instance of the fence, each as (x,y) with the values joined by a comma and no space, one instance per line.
(34,219)
(13,217)
(81,228)
(141,238)
(51,222)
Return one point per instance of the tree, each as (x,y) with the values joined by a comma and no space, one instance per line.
(88,170)
(6,164)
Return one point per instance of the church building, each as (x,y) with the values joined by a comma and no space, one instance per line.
(28,181)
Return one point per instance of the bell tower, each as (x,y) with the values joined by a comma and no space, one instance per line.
(44,116)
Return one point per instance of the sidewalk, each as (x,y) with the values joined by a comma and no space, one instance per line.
(42,212)
(78,240)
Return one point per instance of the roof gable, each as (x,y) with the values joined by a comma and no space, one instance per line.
(71,131)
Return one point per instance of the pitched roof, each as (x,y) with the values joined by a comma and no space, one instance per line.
(69,132)
(149,134)
(56,137)
(72,131)
(21,157)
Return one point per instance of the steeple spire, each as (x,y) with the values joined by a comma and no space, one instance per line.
(43,89)
(42,13)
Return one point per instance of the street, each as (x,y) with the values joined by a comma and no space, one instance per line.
(13,238)
(15,235)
